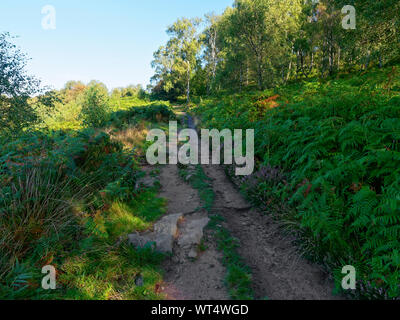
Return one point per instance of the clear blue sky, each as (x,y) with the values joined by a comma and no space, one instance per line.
(108,40)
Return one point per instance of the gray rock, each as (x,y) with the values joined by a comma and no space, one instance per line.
(140,241)
(139,282)
(163,237)
(193,254)
(164,243)
(193,232)
(168,225)
(189,176)
(146,182)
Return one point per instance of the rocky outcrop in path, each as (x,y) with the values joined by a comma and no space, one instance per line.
(191,274)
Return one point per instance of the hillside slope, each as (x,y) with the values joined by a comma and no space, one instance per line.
(329,166)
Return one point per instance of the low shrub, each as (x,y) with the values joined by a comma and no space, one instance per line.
(154,112)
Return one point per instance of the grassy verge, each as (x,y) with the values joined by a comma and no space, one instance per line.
(69,199)
(238,275)
(105,266)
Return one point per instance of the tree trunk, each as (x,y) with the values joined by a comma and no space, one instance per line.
(188,82)
(367,60)
(212,42)
(260,74)
(289,70)
(247,72)
(241,78)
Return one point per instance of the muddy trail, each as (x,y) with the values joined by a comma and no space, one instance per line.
(278,270)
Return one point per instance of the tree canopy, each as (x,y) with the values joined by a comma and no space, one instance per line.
(257,44)
(17,110)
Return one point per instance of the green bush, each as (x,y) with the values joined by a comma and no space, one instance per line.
(95,106)
(154,112)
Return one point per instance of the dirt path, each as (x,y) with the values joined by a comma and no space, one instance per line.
(187,277)
(278,271)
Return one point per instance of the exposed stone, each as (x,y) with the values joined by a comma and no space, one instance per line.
(146,182)
(193,253)
(139,282)
(163,237)
(168,225)
(189,176)
(163,243)
(192,232)
(190,172)
(166,231)
(140,241)
(238,204)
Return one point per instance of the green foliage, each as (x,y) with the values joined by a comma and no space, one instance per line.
(130,91)
(265,43)
(176,62)
(52,211)
(79,105)
(43,177)
(67,110)
(337,143)
(109,273)
(95,105)
(156,111)
(238,277)
(201,183)
(18,111)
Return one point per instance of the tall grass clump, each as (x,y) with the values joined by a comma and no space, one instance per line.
(55,190)
(36,215)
